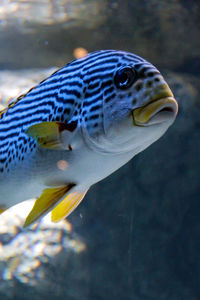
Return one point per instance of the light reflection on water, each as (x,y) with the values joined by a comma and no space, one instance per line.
(48,12)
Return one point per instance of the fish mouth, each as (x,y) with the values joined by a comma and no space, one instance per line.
(162,107)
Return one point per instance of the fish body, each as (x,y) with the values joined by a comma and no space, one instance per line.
(77,127)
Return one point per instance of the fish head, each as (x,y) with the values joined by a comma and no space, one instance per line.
(136,106)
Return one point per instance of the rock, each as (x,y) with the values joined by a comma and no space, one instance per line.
(39,34)
(35,33)
(30,258)
(27,15)
(15,83)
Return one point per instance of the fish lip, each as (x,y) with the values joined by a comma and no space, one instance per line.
(165,93)
(156,111)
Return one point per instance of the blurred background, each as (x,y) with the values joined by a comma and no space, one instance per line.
(136,234)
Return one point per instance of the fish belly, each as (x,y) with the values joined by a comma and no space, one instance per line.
(50,168)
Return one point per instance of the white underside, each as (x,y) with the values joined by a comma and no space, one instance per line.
(37,172)
(87,164)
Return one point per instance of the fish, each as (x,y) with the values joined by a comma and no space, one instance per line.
(77,127)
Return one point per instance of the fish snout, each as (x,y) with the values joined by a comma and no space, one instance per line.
(159,106)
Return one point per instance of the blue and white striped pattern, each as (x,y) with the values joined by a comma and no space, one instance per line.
(73,93)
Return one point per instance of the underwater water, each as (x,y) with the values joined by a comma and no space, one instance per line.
(136,234)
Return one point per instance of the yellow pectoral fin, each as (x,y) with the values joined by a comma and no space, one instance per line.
(64,208)
(46,202)
(2,210)
(47,134)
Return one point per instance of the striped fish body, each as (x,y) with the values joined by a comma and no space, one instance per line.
(77,127)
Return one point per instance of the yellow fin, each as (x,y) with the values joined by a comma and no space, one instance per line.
(47,134)
(1,210)
(66,206)
(46,202)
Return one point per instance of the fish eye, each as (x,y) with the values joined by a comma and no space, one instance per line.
(124,78)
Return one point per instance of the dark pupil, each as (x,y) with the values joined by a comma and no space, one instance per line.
(124,78)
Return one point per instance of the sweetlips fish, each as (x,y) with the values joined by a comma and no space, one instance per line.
(77,127)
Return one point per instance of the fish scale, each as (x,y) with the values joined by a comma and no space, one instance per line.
(94,114)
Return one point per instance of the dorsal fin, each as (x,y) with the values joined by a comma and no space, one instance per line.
(11,104)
